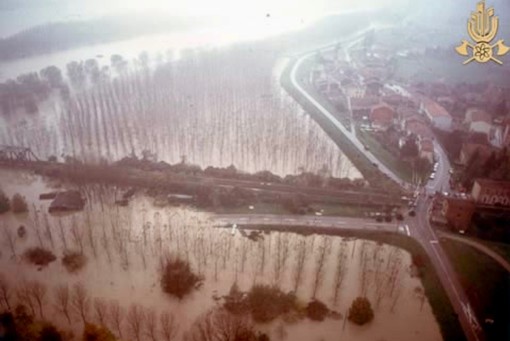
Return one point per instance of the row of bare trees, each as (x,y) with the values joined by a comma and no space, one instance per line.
(217,107)
(75,304)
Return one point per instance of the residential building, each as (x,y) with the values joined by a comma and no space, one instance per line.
(491,193)
(426,149)
(382,117)
(478,121)
(361,106)
(437,115)
(458,212)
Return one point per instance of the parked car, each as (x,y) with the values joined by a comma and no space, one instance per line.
(432,176)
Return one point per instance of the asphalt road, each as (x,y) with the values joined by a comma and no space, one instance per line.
(350,135)
(305,220)
(419,226)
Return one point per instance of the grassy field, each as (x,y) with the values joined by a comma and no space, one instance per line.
(439,301)
(358,159)
(325,209)
(402,169)
(487,285)
(501,248)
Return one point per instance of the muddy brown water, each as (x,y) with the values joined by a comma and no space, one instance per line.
(126,260)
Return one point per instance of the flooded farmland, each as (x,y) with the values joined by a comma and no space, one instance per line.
(123,246)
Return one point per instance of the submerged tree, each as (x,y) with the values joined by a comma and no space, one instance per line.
(361,311)
(220,325)
(177,278)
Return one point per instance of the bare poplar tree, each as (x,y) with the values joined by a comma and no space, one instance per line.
(100,310)
(116,316)
(5,293)
(281,254)
(24,297)
(322,253)
(77,235)
(49,234)
(62,299)
(62,233)
(37,291)
(169,328)
(341,260)
(90,234)
(36,227)
(10,240)
(300,263)
(80,300)
(151,324)
(135,319)
(220,325)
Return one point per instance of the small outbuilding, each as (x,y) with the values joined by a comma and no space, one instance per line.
(67,201)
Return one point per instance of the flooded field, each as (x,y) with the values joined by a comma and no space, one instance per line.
(215,108)
(123,246)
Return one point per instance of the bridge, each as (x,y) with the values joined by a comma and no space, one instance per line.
(14,154)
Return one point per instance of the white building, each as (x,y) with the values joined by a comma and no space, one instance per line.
(437,115)
(478,121)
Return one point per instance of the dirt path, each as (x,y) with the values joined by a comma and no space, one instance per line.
(480,247)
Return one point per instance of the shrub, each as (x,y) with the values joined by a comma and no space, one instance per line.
(5,204)
(19,204)
(39,256)
(177,278)
(361,311)
(236,302)
(50,333)
(267,303)
(316,310)
(22,231)
(74,261)
(91,332)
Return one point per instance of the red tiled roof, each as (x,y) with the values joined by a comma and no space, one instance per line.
(504,185)
(434,109)
(481,116)
(419,128)
(382,113)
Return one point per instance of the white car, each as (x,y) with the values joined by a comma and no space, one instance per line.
(436,165)
(432,176)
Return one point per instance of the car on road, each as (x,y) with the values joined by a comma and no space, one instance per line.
(432,176)
(375,165)
(366,147)
(436,165)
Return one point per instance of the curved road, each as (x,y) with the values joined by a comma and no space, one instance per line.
(420,228)
(351,136)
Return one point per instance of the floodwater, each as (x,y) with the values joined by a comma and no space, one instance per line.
(228,111)
(124,245)
(212,110)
